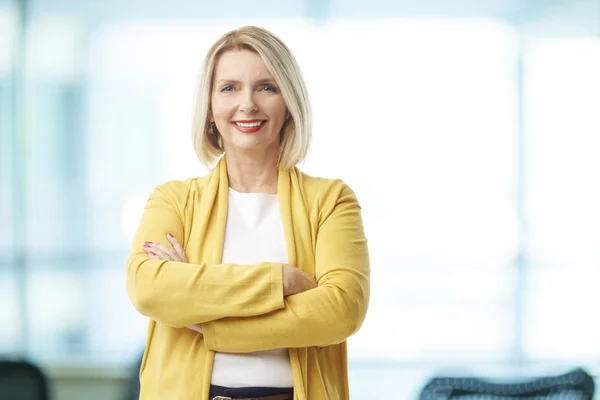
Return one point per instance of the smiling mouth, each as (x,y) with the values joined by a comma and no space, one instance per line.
(249,124)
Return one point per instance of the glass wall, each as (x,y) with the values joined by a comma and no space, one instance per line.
(9,289)
(562,181)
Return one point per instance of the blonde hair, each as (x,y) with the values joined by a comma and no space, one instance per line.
(296,132)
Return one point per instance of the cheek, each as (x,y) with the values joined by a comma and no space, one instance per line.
(278,110)
(219,108)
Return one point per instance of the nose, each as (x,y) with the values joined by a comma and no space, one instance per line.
(247,102)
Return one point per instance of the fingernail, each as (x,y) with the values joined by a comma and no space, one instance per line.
(169,235)
(147,243)
(151,253)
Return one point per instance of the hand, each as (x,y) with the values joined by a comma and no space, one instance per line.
(157,251)
(196,327)
(296,281)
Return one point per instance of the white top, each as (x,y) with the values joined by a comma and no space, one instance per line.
(253,234)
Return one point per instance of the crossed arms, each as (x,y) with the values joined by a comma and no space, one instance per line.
(244,309)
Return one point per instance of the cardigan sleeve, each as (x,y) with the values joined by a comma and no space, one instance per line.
(323,316)
(181,294)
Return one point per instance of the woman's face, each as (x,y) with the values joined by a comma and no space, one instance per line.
(246,104)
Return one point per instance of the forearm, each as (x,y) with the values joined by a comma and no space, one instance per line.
(323,316)
(181,294)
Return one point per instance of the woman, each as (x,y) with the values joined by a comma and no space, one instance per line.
(253,276)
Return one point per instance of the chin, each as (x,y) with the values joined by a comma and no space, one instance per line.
(249,143)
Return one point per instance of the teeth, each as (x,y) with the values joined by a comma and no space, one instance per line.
(248,125)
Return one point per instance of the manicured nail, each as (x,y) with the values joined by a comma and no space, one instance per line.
(151,253)
(169,235)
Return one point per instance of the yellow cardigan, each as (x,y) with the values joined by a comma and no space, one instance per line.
(242,308)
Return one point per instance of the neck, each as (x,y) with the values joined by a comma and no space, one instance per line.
(249,173)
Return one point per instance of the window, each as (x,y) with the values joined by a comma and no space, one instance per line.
(8,284)
(419,115)
(563,193)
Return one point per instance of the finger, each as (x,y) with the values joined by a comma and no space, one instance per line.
(313,282)
(173,256)
(156,252)
(147,246)
(194,328)
(168,251)
(177,247)
(150,253)
(159,251)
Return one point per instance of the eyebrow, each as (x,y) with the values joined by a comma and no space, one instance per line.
(259,82)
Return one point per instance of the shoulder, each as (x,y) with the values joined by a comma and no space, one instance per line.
(177,193)
(328,193)
(325,186)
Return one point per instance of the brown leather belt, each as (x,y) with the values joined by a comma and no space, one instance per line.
(274,397)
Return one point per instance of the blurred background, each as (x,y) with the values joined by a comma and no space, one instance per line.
(470,131)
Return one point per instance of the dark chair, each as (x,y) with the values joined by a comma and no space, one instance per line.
(21,380)
(574,385)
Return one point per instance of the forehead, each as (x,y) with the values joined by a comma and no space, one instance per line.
(241,65)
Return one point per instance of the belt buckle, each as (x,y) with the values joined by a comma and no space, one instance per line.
(222,398)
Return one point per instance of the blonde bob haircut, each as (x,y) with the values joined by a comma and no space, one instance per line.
(296,132)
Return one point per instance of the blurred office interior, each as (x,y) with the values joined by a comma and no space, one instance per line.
(470,131)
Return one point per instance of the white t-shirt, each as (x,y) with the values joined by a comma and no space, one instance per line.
(253,234)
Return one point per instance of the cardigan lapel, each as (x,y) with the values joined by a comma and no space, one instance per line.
(210,217)
(299,237)
(284,194)
(222,204)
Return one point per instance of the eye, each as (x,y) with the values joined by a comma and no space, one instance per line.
(269,88)
(227,88)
